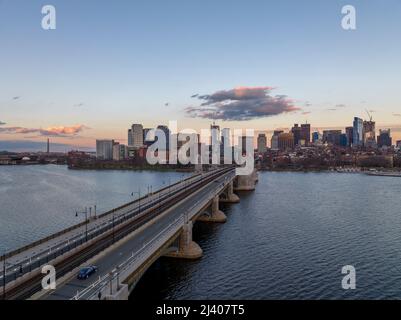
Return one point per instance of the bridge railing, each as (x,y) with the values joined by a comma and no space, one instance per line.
(137,258)
(79,225)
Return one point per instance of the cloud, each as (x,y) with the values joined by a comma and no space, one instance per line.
(81,104)
(2,123)
(397,114)
(241,104)
(306,112)
(331,109)
(16,97)
(340,106)
(49,132)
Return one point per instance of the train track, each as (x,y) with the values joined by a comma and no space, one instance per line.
(33,285)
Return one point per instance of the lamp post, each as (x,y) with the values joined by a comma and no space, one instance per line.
(113,227)
(86,221)
(160,207)
(4,275)
(139,198)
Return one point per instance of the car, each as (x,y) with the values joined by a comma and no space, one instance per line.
(86,272)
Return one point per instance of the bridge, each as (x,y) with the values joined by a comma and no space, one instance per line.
(124,242)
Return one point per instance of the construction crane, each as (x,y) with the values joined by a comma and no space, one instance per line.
(369,115)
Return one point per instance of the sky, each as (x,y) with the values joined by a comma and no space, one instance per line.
(256,64)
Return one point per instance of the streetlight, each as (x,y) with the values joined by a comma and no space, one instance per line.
(4,275)
(139,198)
(113,227)
(86,221)
(163,183)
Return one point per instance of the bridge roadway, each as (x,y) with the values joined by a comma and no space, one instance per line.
(138,241)
(21,265)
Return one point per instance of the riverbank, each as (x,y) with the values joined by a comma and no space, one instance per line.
(130,167)
(372,171)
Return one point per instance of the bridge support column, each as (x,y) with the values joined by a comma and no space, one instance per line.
(229,196)
(246,183)
(187,249)
(216,215)
(121,294)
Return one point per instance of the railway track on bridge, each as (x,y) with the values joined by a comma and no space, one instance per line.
(33,285)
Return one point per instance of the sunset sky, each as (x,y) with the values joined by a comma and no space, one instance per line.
(247,64)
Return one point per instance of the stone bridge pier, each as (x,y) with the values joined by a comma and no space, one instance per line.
(247,183)
(215,214)
(228,196)
(187,248)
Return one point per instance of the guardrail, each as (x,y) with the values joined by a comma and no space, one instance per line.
(138,258)
(77,226)
(60,248)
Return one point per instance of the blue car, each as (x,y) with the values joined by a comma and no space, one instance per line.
(86,272)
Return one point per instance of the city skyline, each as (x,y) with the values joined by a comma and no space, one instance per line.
(149,64)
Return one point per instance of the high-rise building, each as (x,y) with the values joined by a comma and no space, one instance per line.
(343,140)
(369,134)
(296,132)
(245,141)
(167,134)
(120,152)
(104,149)
(225,137)
(316,137)
(130,137)
(274,140)
(305,133)
(48,145)
(384,139)
(357,140)
(286,141)
(349,131)
(398,144)
(262,143)
(332,137)
(215,134)
(137,135)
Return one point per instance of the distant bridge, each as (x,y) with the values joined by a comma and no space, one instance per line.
(124,242)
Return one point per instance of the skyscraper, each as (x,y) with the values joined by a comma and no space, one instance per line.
(332,137)
(296,131)
(274,140)
(137,135)
(104,149)
(286,141)
(225,137)
(343,140)
(262,143)
(369,134)
(129,137)
(316,136)
(167,134)
(349,131)
(215,134)
(384,139)
(305,133)
(357,140)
